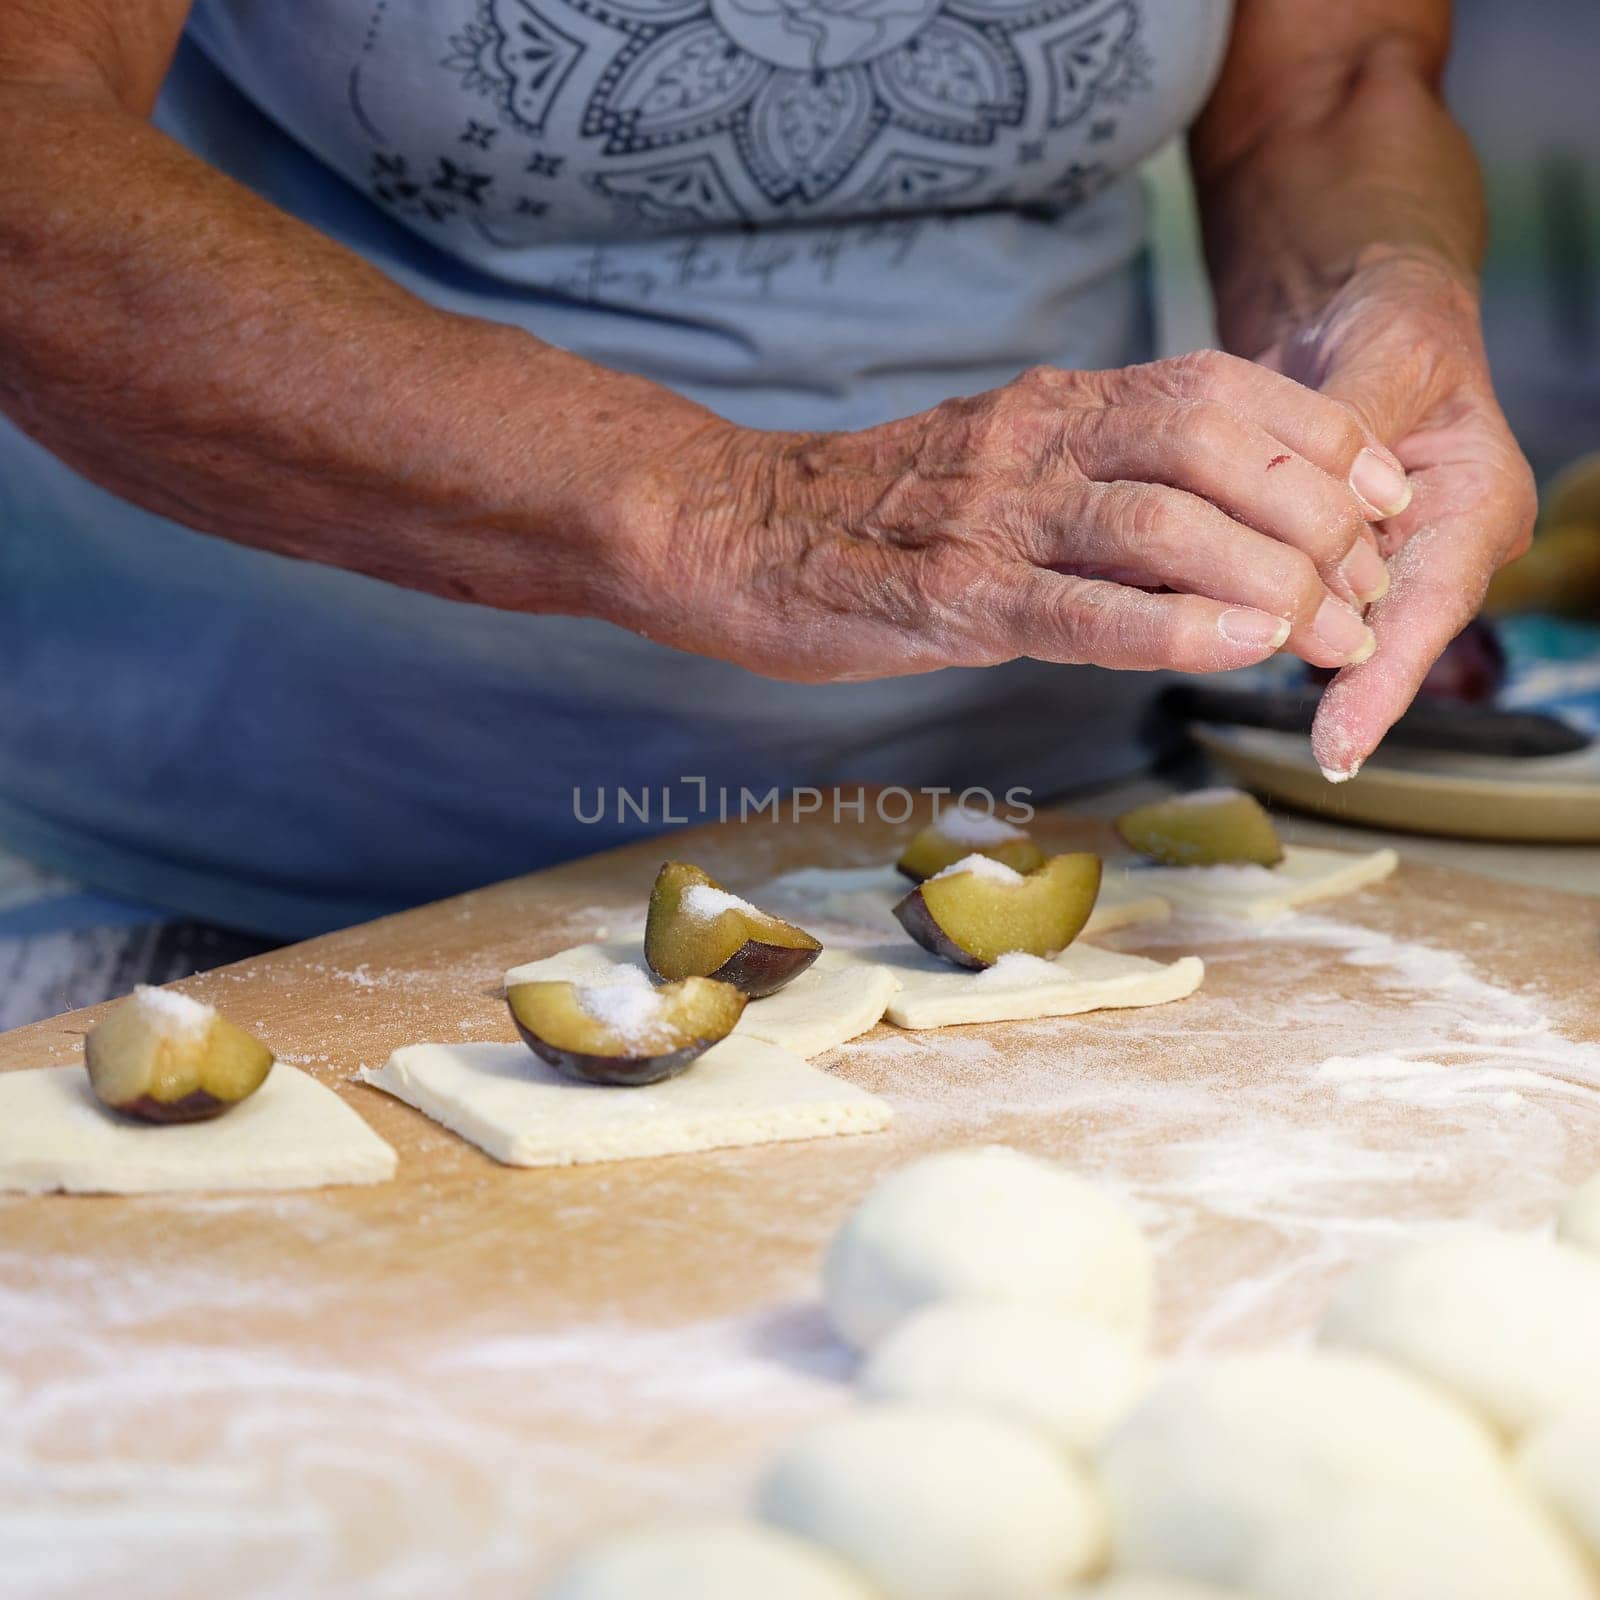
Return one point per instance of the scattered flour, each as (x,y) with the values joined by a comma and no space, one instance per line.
(1331,1092)
(702,901)
(980,867)
(963,826)
(419,1467)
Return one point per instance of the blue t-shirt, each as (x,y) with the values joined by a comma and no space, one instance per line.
(801,213)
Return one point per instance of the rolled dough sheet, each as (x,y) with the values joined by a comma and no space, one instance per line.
(834,999)
(292,1133)
(935,994)
(515,1108)
(1305,874)
(865,897)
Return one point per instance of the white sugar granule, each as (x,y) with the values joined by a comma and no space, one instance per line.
(703,901)
(629,1004)
(980,867)
(1017,966)
(176,1012)
(961,826)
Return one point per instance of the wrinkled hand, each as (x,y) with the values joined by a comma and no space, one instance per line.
(1400,344)
(1194,514)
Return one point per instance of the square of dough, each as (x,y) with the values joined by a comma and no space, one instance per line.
(865,898)
(935,994)
(292,1133)
(834,999)
(522,1112)
(1259,893)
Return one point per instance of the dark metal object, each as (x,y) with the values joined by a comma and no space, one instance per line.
(1430,724)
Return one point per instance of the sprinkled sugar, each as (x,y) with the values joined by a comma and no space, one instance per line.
(176,1012)
(1017,966)
(981,867)
(703,901)
(630,1004)
(961,826)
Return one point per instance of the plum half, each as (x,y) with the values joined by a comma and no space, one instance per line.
(696,929)
(164,1057)
(1210,828)
(979,910)
(625,1033)
(958,834)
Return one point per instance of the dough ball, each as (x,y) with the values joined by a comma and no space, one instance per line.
(1219,1454)
(941,1503)
(989,1224)
(1146,1586)
(1477,1547)
(1580,1217)
(1509,1322)
(1071,1378)
(1561,1464)
(709,1561)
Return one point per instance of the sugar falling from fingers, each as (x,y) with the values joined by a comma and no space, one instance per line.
(980,867)
(1207,797)
(963,826)
(703,901)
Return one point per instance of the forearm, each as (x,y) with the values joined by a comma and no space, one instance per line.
(1326,160)
(193,349)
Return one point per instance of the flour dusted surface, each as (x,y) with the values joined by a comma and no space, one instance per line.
(450,1383)
(526,1114)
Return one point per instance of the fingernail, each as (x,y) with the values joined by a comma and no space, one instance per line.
(1253,628)
(1341,774)
(1381,481)
(1364,570)
(1338,627)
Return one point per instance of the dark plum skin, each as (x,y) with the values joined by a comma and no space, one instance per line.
(973,924)
(619,1072)
(759,969)
(195,1107)
(913,915)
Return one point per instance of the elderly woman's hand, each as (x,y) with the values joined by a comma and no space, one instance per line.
(1194,514)
(1400,345)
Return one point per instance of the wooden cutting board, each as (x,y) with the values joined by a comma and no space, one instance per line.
(442,1384)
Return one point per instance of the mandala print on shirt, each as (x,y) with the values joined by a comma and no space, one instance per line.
(722,111)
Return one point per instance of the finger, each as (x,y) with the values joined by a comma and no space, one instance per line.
(1204,448)
(1313,424)
(1153,536)
(1440,577)
(1057,617)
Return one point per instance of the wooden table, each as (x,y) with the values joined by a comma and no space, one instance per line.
(440,1385)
